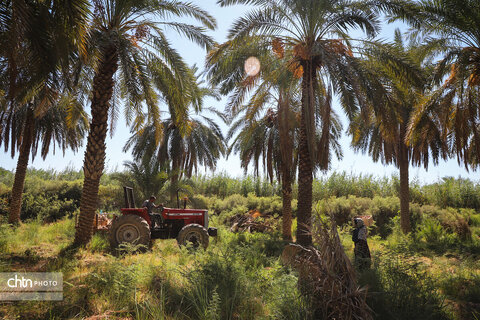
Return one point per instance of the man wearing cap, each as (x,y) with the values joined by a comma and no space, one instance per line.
(150,205)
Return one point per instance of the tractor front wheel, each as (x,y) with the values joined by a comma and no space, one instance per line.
(130,229)
(194,235)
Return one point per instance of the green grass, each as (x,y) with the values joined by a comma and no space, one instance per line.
(238,277)
(433,272)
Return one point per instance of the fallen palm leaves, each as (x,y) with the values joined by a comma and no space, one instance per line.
(326,275)
(253,221)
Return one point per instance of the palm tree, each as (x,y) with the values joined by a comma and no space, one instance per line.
(454,106)
(381,131)
(35,48)
(145,176)
(270,138)
(187,141)
(314,31)
(123,36)
(59,125)
(274,99)
(181,154)
(260,142)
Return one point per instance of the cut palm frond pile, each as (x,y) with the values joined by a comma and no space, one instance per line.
(327,277)
(253,221)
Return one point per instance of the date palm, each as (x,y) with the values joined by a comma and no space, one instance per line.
(401,72)
(269,141)
(452,109)
(268,126)
(314,31)
(124,44)
(35,47)
(187,141)
(64,123)
(145,176)
(270,138)
(259,142)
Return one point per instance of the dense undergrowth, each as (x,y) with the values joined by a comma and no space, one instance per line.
(433,273)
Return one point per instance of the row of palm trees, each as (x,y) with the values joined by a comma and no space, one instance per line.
(56,56)
(106,50)
(400,108)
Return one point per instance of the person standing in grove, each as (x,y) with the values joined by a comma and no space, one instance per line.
(362,252)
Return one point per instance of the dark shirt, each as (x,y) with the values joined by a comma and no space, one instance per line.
(149,205)
(355,235)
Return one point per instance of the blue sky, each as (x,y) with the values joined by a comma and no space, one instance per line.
(351,163)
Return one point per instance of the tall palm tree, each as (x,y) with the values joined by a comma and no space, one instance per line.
(35,49)
(314,31)
(268,127)
(455,103)
(269,142)
(187,141)
(64,124)
(123,36)
(402,72)
(272,91)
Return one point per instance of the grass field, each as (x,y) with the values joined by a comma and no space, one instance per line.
(432,273)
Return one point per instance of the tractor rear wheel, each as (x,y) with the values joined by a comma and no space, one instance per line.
(131,229)
(194,235)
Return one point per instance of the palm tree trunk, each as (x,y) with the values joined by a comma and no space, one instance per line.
(305,169)
(21,171)
(403,162)
(94,161)
(286,151)
(287,206)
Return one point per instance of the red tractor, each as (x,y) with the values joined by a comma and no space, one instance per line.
(136,226)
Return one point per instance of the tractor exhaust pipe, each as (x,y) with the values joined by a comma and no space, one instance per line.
(178,200)
(184,200)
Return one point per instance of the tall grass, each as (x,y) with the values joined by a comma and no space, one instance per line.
(401,290)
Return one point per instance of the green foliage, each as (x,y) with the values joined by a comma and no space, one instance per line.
(150,286)
(289,303)
(114,283)
(401,290)
(456,193)
(5,235)
(433,236)
(382,211)
(219,286)
(343,185)
(99,243)
(223,186)
(463,286)
(344,209)
(47,209)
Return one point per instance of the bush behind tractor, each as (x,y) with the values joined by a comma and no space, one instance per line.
(135,226)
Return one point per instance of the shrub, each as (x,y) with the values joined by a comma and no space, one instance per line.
(113,282)
(382,211)
(475,220)
(464,287)
(4,207)
(288,303)
(46,208)
(5,236)
(219,284)
(400,290)
(99,243)
(456,193)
